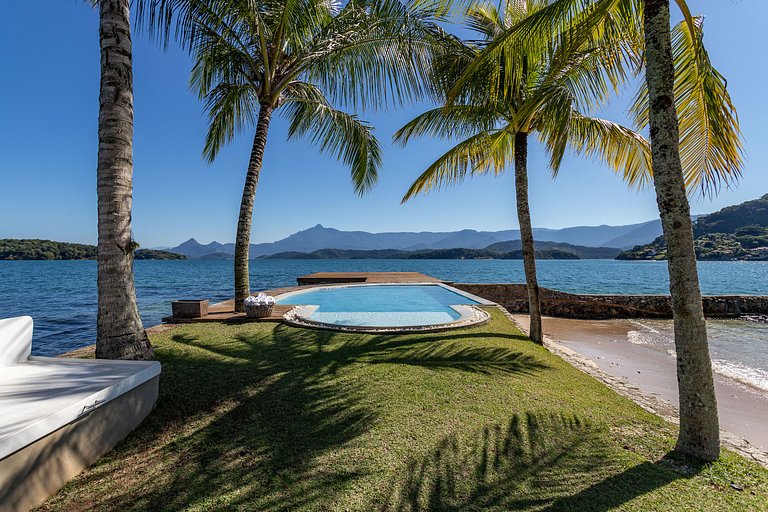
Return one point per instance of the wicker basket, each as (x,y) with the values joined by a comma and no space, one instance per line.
(258,310)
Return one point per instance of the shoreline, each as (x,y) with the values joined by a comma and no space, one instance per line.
(648,377)
(558,331)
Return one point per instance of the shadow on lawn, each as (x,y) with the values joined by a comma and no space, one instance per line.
(534,462)
(246,418)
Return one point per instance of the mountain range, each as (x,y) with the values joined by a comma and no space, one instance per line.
(320,237)
(500,250)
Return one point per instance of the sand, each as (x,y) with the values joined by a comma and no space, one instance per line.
(648,375)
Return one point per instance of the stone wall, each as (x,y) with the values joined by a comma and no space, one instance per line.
(514,298)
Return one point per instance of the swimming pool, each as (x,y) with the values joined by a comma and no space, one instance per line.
(384,307)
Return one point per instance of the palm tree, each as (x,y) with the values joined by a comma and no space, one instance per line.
(695,143)
(556,87)
(120,333)
(257,57)
(709,117)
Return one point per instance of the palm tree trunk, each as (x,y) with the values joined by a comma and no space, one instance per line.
(119,332)
(526,235)
(699,431)
(243,240)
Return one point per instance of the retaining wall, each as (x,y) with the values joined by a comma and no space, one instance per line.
(514,297)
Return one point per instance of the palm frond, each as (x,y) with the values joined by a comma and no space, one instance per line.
(624,150)
(711,147)
(452,122)
(231,108)
(532,37)
(378,55)
(337,133)
(482,153)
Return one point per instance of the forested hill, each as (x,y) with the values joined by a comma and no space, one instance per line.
(510,250)
(738,232)
(436,254)
(33,249)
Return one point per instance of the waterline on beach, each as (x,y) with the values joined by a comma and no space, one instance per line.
(739,348)
(647,362)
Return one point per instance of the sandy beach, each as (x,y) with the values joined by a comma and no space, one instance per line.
(651,370)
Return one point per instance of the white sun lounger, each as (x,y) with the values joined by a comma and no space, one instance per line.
(57,416)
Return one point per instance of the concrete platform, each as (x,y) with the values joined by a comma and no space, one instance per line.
(366,277)
(59,415)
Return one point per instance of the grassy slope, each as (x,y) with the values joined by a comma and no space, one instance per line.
(265,417)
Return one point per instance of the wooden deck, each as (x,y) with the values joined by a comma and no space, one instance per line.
(225,311)
(366,277)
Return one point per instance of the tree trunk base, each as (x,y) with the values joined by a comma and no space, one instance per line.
(132,346)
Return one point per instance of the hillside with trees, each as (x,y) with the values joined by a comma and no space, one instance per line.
(510,250)
(738,232)
(35,249)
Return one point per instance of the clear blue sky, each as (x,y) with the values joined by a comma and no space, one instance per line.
(49,79)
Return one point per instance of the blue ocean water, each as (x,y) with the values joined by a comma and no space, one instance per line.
(61,295)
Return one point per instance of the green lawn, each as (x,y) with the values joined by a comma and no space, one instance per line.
(266,417)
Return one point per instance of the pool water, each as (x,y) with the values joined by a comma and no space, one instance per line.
(381,305)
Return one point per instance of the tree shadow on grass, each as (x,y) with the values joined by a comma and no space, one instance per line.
(240,422)
(534,462)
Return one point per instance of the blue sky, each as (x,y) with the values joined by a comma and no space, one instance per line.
(49,57)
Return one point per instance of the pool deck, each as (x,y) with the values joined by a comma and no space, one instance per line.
(225,311)
(366,277)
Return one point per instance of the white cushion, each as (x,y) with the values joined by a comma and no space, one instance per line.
(15,340)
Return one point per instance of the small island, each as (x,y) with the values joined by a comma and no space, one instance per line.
(35,249)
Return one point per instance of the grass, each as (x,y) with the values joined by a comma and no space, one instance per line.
(271,418)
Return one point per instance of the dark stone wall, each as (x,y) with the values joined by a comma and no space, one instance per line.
(514,298)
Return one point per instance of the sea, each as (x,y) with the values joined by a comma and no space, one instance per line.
(61,295)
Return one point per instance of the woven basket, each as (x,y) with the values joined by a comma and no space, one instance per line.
(258,310)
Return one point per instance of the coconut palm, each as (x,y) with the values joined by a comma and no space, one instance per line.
(681,81)
(559,85)
(254,58)
(695,143)
(119,331)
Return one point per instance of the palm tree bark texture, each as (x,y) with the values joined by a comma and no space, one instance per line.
(120,333)
(699,430)
(526,235)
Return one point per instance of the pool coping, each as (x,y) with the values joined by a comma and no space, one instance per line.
(481,301)
(471,315)
(474,316)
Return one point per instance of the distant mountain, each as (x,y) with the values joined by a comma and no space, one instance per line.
(340,254)
(738,232)
(639,235)
(430,254)
(319,237)
(193,249)
(498,250)
(587,253)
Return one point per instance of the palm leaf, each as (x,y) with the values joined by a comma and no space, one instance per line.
(231,108)
(482,153)
(452,122)
(337,133)
(711,148)
(625,151)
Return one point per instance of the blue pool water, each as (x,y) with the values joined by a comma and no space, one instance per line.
(381,305)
